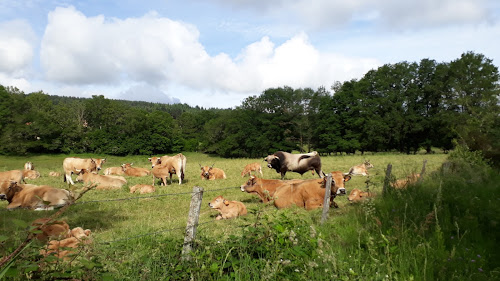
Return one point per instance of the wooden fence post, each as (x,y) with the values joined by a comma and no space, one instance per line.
(422,172)
(192,222)
(387,179)
(326,200)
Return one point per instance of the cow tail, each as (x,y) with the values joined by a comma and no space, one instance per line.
(182,160)
(64,177)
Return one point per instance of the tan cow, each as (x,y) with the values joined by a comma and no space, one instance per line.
(103,182)
(42,197)
(357,195)
(404,183)
(29,166)
(361,169)
(143,188)
(309,194)
(66,248)
(114,171)
(54,174)
(9,176)
(227,209)
(251,168)
(73,165)
(211,173)
(54,229)
(135,172)
(31,174)
(177,161)
(264,188)
(162,171)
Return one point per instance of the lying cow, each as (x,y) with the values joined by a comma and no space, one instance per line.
(211,173)
(252,167)
(54,174)
(162,171)
(66,248)
(283,162)
(357,195)
(31,174)
(263,188)
(404,183)
(227,209)
(177,161)
(142,188)
(102,182)
(29,166)
(53,229)
(42,197)
(73,165)
(134,171)
(309,194)
(114,171)
(361,169)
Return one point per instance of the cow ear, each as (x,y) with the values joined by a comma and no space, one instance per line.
(347,178)
(226,202)
(103,160)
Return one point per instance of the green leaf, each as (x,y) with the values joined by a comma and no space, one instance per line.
(20,223)
(214,267)
(3,238)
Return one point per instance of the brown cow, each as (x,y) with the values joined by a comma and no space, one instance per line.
(9,176)
(143,188)
(250,168)
(103,182)
(211,173)
(357,195)
(361,169)
(404,183)
(264,188)
(135,172)
(227,209)
(177,161)
(42,197)
(72,165)
(163,171)
(114,171)
(309,194)
(53,229)
(29,166)
(31,174)
(299,163)
(66,248)
(54,174)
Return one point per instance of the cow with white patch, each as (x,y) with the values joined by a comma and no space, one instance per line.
(72,165)
(178,162)
(283,162)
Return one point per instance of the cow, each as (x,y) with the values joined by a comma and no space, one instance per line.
(133,171)
(66,248)
(357,195)
(50,229)
(263,188)
(9,176)
(250,168)
(143,188)
(177,161)
(73,165)
(29,166)
(54,174)
(361,169)
(309,194)
(162,171)
(211,173)
(31,174)
(283,162)
(102,182)
(114,171)
(404,183)
(227,209)
(42,197)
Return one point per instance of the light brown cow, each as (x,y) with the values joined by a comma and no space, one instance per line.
(114,171)
(31,174)
(211,173)
(361,169)
(103,182)
(163,171)
(134,172)
(309,194)
(73,165)
(143,188)
(42,197)
(251,168)
(29,166)
(357,195)
(404,183)
(9,176)
(54,174)
(177,161)
(264,188)
(227,209)
(54,229)
(66,248)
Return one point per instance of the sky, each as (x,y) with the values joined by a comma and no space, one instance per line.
(216,53)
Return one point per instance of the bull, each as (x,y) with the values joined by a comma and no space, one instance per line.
(283,162)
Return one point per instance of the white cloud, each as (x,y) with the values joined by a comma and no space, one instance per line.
(16,47)
(145,92)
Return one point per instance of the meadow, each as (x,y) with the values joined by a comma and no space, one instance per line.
(403,236)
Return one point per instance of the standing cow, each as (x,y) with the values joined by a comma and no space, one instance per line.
(178,162)
(74,165)
(283,162)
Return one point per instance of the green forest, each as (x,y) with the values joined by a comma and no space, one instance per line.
(402,107)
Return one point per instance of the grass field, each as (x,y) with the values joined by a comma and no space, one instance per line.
(134,254)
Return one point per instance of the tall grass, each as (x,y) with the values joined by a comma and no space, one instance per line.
(445,228)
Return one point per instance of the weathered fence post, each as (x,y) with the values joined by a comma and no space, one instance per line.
(422,172)
(192,222)
(326,200)
(387,179)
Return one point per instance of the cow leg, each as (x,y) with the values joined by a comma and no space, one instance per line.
(164,180)
(69,180)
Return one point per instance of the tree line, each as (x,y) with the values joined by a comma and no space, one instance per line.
(402,107)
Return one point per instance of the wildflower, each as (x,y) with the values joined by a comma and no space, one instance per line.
(479,256)
(472,260)
(313,264)
(480,269)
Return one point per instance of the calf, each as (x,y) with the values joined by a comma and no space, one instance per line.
(114,171)
(263,188)
(66,248)
(227,209)
(250,168)
(211,173)
(53,229)
(74,164)
(31,174)
(361,169)
(178,162)
(299,163)
(42,197)
(143,188)
(404,183)
(103,182)
(54,174)
(357,195)
(133,171)
(163,171)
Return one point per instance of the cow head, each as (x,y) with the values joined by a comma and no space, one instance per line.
(355,195)
(273,161)
(126,166)
(154,161)
(338,180)
(80,174)
(249,186)
(98,163)
(11,191)
(218,202)
(368,165)
(205,171)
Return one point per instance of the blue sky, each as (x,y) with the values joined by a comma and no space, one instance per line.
(215,53)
